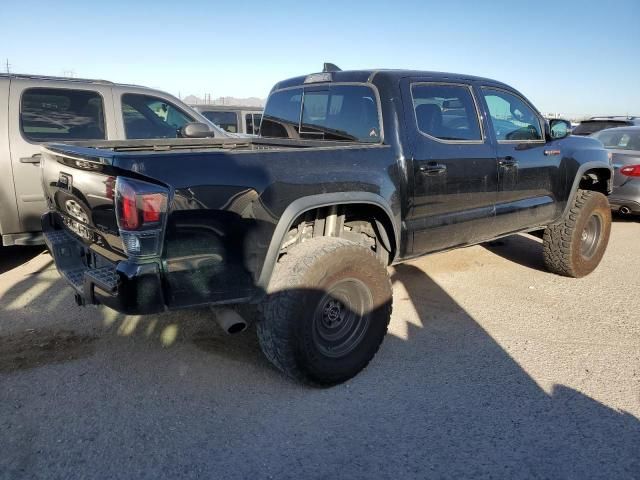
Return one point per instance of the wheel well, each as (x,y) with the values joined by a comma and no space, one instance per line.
(596,179)
(362,223)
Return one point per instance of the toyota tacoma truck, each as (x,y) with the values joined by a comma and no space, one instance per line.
(353,171)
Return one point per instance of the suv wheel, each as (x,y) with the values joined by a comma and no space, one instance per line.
(575,247)
(327,311)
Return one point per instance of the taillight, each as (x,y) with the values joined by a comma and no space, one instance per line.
(126,199)
(631,170)
(153,206)
(141,209)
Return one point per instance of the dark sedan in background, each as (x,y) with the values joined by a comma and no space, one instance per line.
(624,145)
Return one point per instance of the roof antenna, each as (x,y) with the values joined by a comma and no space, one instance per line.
(330,67)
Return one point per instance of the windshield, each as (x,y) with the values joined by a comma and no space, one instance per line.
(327,112)
(620,139)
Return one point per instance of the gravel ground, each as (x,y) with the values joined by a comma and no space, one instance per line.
(492,368)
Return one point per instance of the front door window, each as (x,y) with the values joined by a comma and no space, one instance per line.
(145,116)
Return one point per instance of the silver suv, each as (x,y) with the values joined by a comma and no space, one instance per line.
(49,109)
(234,120)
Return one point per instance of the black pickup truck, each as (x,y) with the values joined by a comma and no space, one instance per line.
(353,171)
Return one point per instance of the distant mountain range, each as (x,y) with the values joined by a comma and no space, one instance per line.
(243,102)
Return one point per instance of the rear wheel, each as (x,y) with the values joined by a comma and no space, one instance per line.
(327,312)
(575,247)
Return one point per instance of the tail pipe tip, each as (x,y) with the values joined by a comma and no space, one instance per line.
(625,210)
(230,321)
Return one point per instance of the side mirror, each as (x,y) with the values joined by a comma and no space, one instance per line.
(195,130)
(559,128)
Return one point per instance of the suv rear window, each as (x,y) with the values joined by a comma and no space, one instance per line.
(253,122)
(228,121)
(331,112)
(591,126)
(48,114)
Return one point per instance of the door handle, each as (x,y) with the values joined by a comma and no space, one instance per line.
(433,169)
(35,158)
(507,162)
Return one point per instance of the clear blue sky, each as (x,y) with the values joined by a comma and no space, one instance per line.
(570,57)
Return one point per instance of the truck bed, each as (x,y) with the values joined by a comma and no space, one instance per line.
(225,198)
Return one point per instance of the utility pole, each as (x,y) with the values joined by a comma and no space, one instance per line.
(7,65)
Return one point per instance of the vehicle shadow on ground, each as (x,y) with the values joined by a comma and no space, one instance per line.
(12,257)
(523,249)
(618,217)
(441,399)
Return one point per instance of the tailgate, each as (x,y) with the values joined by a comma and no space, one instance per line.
(80,189)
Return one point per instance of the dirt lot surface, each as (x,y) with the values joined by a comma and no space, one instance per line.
(492,368)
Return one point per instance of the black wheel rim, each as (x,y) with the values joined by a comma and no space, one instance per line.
(590,237)
(341,318)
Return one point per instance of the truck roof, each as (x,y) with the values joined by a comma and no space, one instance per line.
(367,76)
(63,79)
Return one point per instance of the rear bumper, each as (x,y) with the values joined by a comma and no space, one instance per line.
(127,287)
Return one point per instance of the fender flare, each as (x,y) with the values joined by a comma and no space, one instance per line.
(578,177)
(304,204)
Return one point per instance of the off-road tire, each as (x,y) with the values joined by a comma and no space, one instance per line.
(564,243)
(292,315)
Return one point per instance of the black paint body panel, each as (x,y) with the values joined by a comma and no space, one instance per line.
(230,207)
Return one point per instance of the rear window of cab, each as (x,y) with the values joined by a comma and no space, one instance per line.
(327,112)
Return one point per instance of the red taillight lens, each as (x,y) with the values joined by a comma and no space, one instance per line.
(128,218)
(140,205)
(631,171)
(153,205)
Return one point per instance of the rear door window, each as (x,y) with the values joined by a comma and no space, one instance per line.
(330,112)
(446,112)
(51,114)
(228,121)
(146,116)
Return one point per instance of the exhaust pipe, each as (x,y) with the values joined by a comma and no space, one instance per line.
(230,321)
(625,210)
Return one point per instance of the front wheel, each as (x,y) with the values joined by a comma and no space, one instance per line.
(327,311)
(575,247)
